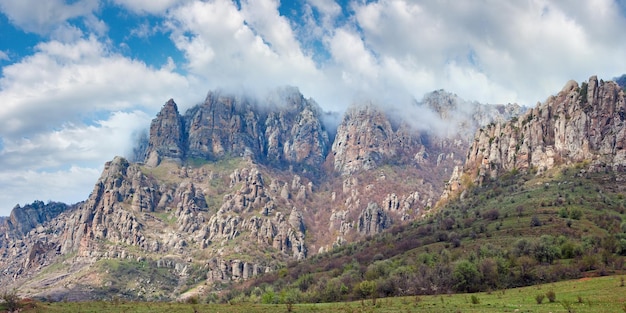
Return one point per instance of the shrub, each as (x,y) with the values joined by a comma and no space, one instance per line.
(567,306)
(551,296)
(491,215)
(466,276)
(539,298)
(475,299)
(535,221)
(11,300)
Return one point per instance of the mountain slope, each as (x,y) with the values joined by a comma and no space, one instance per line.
(234,188)
(581,123)
(522,229)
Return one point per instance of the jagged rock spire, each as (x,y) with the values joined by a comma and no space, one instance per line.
(166,135)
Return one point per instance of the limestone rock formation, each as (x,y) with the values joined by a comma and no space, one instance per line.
(233,188)
(23,219)
(295,133)
(285,130)
(166,135)
(373,220)
(364,140)
(581,123)
(221,126)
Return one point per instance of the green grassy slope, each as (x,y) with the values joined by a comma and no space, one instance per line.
(520,230)
(603,294)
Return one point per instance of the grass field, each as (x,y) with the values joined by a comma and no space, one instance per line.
(600,294)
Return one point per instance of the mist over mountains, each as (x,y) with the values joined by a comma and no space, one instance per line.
(234,169)
(236,187)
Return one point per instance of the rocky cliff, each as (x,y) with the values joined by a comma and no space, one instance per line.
(235,187)
(582,123)
(286,130)
(23,219)
(167,139)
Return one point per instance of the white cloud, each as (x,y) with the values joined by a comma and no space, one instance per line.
(148,6)
(252,49)
(328,8)
(4,56)
(37,167)
(42,17)
(64,82)
(70,107)
(527,49)
(23,187)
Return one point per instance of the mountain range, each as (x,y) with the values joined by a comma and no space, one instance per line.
(237,186)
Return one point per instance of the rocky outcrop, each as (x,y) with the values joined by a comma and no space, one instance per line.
(285,130)
(365,139)
(373,220)
(295,133)
(23,219)
(222,126)
(220,270)
(583,122)
(166,136)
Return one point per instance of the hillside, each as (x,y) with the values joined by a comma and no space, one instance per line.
(520,230)
(236,187)
(539,199)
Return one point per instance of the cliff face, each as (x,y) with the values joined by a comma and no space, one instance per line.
(23,219)
(365,139)
(166,139)
(235,187)
(285,130)
(581,123)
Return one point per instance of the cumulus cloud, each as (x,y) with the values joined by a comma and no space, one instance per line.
(148,6)
(73,102)
(63,82)
(23,187)
(526,50)
(42,17)
(252,49)
(63,165)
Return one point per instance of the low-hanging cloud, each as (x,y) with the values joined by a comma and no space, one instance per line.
(78,81)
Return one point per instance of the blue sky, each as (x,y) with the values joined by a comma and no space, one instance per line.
(78,78)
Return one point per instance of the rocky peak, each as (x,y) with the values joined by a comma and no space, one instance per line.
(23,219)
(223,126)
(582,122)
(166,135)
(286,131)
(295,133)
(364,140)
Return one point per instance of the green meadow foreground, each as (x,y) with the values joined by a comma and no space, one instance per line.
(601,294)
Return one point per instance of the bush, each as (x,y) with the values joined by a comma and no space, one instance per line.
(475,299)
(535,221)
(576,214)
(539,298)
(491,215)
(551,296)
(11,300)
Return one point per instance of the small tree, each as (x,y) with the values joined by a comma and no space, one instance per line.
(11,300)
(466,276)
(535,221)
(367,289)
(539,298)
(551,295)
